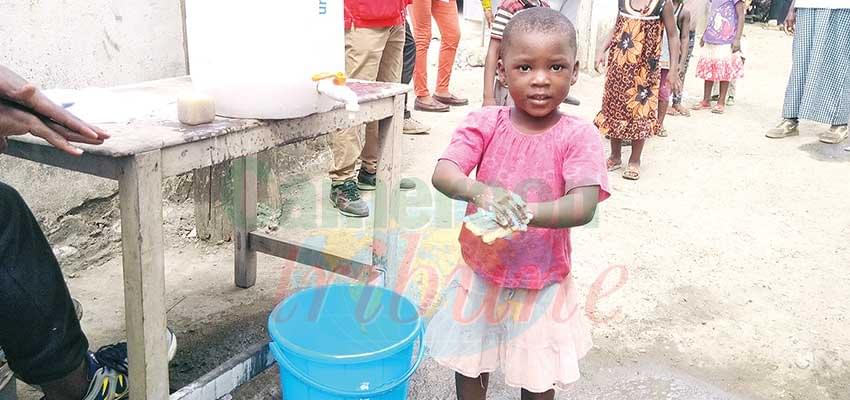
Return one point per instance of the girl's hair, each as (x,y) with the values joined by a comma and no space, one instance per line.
(540,20)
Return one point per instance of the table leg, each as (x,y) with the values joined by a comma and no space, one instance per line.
(385,245)
(244,174)
(140,192)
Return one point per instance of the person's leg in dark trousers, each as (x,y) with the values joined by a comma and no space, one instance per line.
(39,331)
(411,126)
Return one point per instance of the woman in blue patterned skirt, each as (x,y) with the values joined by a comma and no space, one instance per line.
(819,86)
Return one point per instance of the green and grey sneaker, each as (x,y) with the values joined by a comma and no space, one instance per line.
(786,128)
(346,198)
(367,182)
(108,370)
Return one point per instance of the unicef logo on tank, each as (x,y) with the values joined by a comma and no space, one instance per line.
(323,7)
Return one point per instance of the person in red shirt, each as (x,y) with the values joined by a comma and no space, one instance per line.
(374,42)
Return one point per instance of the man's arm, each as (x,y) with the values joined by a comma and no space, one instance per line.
(25,109)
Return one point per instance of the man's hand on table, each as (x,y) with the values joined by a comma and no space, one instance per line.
(25,109)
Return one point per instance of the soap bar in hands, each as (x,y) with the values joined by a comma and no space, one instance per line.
(483,224)
(195,108)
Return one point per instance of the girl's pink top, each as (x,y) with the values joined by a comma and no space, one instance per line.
(540,168)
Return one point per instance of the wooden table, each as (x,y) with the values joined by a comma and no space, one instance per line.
(148,144)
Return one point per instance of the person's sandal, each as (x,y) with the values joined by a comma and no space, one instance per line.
(786,128)
(718,109)
(836,134)
(701,106)
(435,106)
(613,165)
(451,100)
(631,173)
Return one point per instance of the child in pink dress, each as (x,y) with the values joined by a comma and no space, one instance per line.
(721,60)
(512,305)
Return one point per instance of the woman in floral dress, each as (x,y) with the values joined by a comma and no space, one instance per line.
(630,103)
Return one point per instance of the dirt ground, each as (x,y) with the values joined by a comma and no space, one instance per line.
(721,274)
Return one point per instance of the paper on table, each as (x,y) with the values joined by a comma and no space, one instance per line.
(101,106)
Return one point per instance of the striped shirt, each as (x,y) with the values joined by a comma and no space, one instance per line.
(507,10)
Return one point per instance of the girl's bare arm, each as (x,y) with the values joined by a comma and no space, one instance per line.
(490,65)
(684,35)
(576,208)
(668,16)
(739,9)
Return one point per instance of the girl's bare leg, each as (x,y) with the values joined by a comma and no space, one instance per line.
(706,97)
(637,149)
(616,151)
(724,90)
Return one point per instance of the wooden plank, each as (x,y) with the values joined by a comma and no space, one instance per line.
(88,163)
(385,254)
(267,244)
(228,376)
(213,150)
(212,221)
(244,219)
(140,191)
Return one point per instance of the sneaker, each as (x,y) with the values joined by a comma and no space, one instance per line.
(366,182)
(572,101)
(786,128)
(414,127)
(730,101)
(836,134)
(108,370)
(346,198)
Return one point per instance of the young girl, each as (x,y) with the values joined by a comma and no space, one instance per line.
(512,304)
(630,103)
(664,93)
(721,59)
(495,91)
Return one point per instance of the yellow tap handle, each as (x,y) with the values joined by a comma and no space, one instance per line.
(339,77)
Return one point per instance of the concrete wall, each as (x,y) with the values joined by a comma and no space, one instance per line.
(76,43)
(79,43)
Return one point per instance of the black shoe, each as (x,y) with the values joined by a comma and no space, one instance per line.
(367,182)
(346,198)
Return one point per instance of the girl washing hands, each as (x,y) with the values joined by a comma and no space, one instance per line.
(512,304)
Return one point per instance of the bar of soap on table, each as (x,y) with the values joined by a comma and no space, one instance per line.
(195,108)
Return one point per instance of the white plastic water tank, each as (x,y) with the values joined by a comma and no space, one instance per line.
(256,58)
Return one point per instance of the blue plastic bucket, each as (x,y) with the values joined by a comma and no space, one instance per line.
(346,342)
